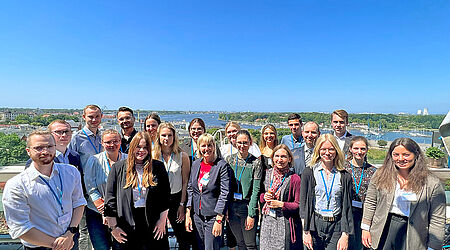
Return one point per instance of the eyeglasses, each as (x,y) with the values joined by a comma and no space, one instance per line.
(331,150)
(115,142)
(62,132)
(243,143)
(42,148)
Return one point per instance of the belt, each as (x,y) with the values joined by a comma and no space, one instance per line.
(329,219)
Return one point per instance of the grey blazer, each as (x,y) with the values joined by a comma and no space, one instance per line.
(427,215)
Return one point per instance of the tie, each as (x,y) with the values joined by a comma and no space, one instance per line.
(308,156)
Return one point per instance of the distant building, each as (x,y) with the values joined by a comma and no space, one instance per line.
(419,112)
(425,111)
(11,115)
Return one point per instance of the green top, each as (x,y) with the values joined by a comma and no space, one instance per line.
(250,182)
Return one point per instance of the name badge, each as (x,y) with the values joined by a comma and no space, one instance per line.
(238,196)
(270,161)
(273,213)
(410,196)
(205,179)
(64,219)
(139,203)
(326,212)
(357,204)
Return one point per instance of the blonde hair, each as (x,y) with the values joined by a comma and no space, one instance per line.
(91,106)
(232,124)
(206,138)
(110,131)
(175,147)
(132,176)
(338,161)
(39,133)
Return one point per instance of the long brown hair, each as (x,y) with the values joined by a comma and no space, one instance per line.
(386,176)
(132,176)
(175,147)
(262,142)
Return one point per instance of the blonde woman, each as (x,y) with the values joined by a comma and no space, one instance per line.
(267,142)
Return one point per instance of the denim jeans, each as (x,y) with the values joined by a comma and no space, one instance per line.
(99,233)
(237,216)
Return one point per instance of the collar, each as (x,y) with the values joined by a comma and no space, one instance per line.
(88,131)
(342,137)
(320,168)
(134,132)
(33,173)
(300,138)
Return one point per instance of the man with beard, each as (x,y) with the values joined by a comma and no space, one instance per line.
(44,204)
(125,118)
(295,142)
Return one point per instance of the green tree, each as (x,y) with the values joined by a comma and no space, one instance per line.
(382,143)
(12,149)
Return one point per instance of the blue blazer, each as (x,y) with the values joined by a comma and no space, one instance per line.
(214,196)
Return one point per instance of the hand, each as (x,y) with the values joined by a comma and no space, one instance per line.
(180,214)
(217,229)
(100,205)
(160,228)
(63,242)
(249,223)
(275,203)
(119,235)
(366,238)
(268,196)
(307,240)
(343,242)
(105,220)
(188,223)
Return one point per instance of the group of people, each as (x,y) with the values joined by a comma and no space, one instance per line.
(309,191)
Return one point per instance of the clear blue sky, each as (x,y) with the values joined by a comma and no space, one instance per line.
(384,56)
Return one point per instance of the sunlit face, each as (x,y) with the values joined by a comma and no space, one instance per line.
(207,150)
(196,131)
(339,125)
(231,134)
(111,143)
(125,119)
(62,133)
(166,137)
(359,150)
(151,126)
(141,151)
(92,117)
(403,158)
(41,149)
(310,133)
(269,135)
(295,126)
(281,158)
(243,144)
(327,152)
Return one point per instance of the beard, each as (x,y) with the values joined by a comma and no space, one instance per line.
(44,159)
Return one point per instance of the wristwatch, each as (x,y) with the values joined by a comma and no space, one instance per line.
(219,221)
(73,230)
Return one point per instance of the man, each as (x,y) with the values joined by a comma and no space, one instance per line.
(87,142)
(310,133)
(294,141)
(44,204)
(339,122)
(125,118)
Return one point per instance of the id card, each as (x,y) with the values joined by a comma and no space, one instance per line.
(357,204)
(139,203)
(64,219)
(238,196)
(273,213)
(326,212)
(410,196)
(205,179)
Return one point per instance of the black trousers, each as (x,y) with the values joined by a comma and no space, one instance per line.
(184,238)
(394,233)
(355,242)
(327,234)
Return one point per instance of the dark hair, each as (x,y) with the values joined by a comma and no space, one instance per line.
(294,116)
(199,121)
(352,141)
(341,113)
(283,146)
(153,116)
(125,109)
(386,176)
(244,132)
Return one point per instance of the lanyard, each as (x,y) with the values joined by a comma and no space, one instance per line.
(95,148)
(357,188)
(293,144)
(192,149)
(331,188)
(107,161)
(231,149)
(139,186)
(281,184)
(170,161)
(58,198)
(242,171)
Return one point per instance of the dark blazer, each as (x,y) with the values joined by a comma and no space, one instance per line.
(186,146)
(348,138)
(214,196)
(119,201)
(307,201)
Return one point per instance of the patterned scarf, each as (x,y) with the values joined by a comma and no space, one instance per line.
(276,180)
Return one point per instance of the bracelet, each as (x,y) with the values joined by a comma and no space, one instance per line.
(219,221)
(365,227)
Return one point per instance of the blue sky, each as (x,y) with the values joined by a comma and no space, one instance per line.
(364,56)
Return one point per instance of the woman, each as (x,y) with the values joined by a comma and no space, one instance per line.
(137,198)
(95,177)
(280,224)
(208,189)
(177,166)
(196,129)
(243,208)
(405,203)
(151,124)
(325,198)
(231,130)
(268,141)
(361,172)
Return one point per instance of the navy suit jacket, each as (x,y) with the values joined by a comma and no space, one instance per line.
(215,195)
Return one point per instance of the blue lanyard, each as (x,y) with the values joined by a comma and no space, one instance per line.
(95,148)
(170,161)
(139,186)
(357,188)
(293,144)
(242,171)
(107,161)
(58,198)
(281,184)
(331,188)
(192,149)
(231,149)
